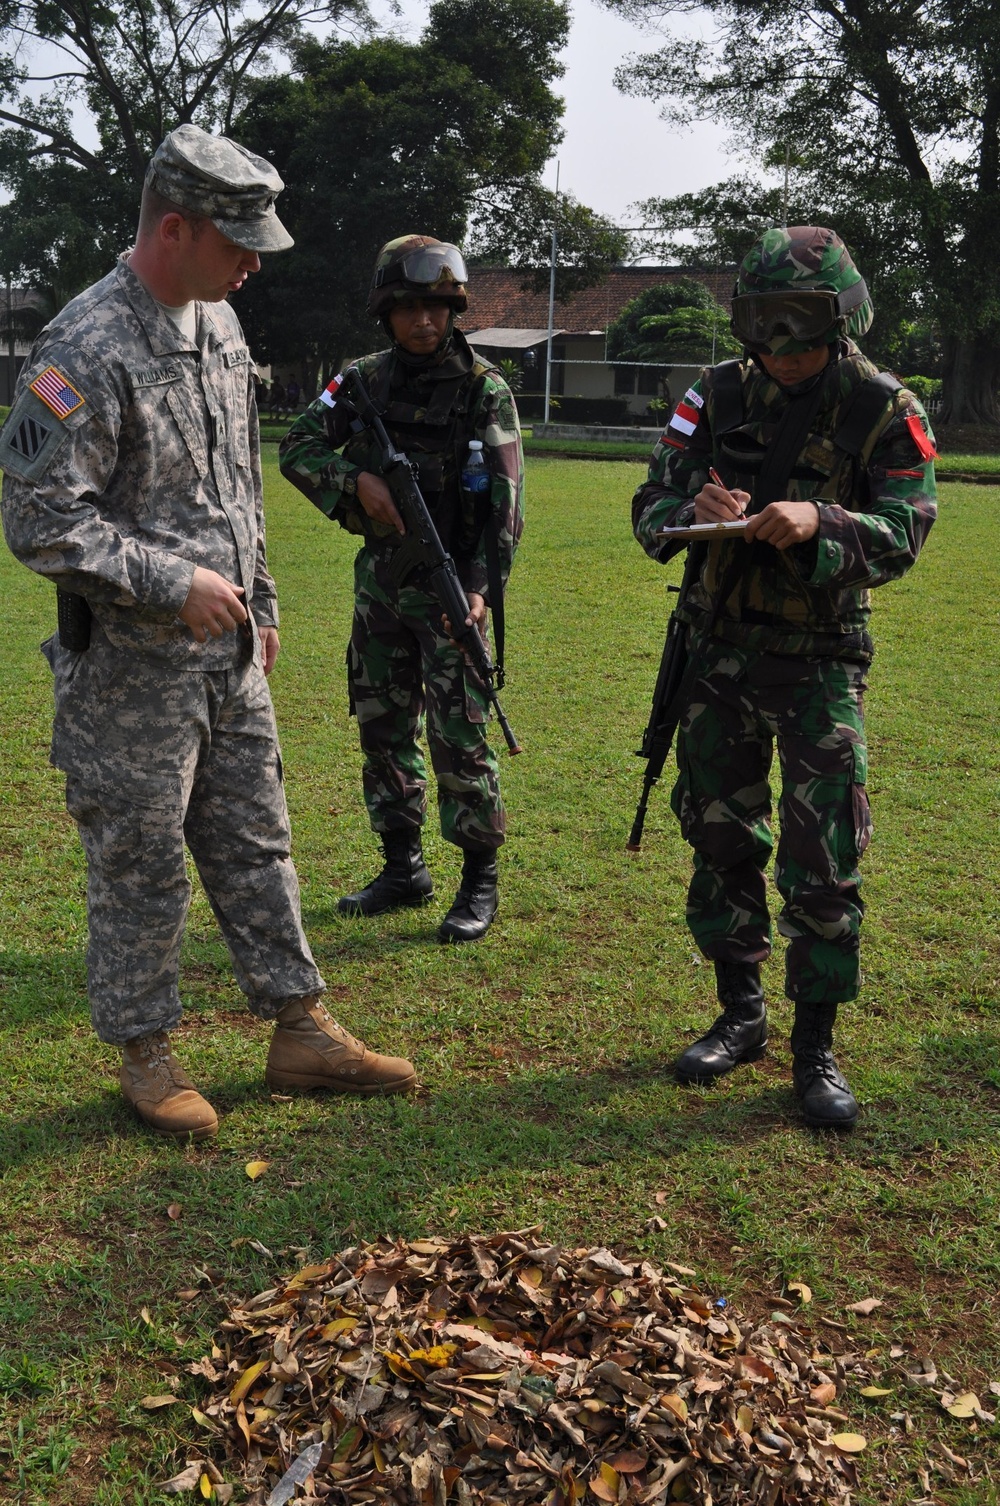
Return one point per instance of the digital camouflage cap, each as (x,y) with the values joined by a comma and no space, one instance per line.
(418,266)
(797,288)
(225,182)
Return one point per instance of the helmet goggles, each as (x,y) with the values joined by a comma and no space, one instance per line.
(811,315)
(425,266)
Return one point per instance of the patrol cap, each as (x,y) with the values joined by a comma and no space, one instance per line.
(218,178)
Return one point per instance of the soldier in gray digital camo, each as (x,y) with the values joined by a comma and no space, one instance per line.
(832,462)
(132,481)
(435,396)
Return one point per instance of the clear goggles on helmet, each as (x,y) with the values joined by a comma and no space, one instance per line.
(426,266)
(807,315)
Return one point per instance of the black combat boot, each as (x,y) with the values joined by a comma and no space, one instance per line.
(827,1101)
(740,1032)
(476,901)
(403,881)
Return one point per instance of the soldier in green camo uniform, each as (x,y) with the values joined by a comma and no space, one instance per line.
(832,462)
(435,396)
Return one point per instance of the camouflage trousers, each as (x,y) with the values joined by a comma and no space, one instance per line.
(400,664)
(741,702)
(155,758)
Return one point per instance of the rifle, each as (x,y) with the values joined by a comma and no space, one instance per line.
(422,546)
(668,704)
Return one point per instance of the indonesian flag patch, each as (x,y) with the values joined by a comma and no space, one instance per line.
(58,395)
(685,416)
(329,393)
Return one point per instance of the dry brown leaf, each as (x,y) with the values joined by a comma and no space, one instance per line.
(186,1480)
(504,1368)
(866,1307)
(153,1403)
(804,1292)
(174,1210)
(966,1405)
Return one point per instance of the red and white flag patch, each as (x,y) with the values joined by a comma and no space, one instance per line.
(329,393)
(685,417)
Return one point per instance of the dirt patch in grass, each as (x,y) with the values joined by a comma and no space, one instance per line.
(967,439)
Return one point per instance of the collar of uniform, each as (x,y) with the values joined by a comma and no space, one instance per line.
(164,337)
(457,362)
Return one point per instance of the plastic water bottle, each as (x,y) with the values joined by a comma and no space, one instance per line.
(475,476)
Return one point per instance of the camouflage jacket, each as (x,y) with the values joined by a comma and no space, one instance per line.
(875,510)
(131,456)
(320,453)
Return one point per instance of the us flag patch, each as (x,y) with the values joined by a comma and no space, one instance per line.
(28,438)
(56,392)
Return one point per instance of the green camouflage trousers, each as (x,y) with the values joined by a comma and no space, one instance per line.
(740,703)
(400,664)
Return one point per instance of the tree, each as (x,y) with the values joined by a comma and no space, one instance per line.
(888,115)
(140,70)
(379,138)
(516,228)
(674,322)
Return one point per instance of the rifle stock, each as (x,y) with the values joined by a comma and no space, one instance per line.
(422,546)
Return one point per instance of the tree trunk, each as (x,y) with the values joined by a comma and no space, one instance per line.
(971,385)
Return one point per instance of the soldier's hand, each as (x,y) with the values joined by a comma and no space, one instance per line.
(476,617)
(213,605)
(376,499)
(784,524)
(270,647)
(714,504)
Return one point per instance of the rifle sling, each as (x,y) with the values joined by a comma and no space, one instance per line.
(494,584)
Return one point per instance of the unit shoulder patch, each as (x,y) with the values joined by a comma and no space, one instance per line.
(31,438)
(56,392)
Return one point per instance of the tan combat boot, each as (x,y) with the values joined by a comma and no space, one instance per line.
(162,1094)
(310,1050)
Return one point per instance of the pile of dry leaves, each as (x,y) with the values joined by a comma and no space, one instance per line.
(505,1370)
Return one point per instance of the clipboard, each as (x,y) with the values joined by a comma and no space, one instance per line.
(705,531)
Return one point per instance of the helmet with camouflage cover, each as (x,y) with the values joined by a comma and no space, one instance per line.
(798,288)
(418,266)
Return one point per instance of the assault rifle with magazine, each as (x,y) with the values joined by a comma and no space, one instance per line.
(422,546)
(668,695)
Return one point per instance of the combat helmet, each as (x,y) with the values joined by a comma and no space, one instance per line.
(798,288)
(418,266)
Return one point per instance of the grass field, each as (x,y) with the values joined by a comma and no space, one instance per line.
(543,1051)
(957,464)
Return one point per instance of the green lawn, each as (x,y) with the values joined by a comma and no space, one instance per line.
(544,1050)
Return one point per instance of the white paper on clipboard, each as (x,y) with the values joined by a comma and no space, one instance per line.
(704,531)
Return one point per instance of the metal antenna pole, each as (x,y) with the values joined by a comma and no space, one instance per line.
(552,300)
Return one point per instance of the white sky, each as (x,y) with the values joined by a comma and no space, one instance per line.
(616,150)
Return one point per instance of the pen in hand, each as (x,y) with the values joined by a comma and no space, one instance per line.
(718,481)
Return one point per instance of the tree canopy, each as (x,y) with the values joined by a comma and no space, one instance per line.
(138,70)
(373,135)
(383,137)
(886,114)
(674,322)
